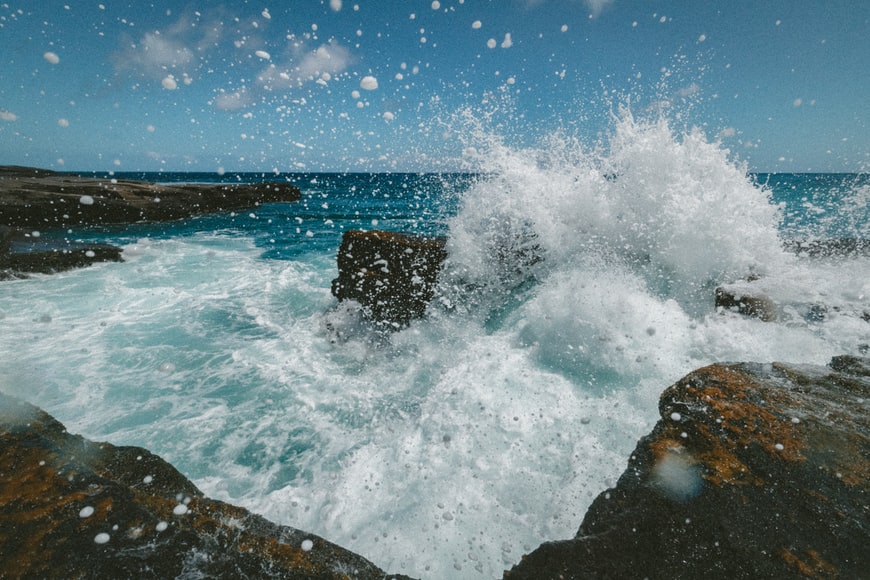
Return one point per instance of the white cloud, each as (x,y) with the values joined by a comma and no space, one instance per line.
(155,54)
(176,50)
(596,7)
(7,115)
(233,101)
(321,64)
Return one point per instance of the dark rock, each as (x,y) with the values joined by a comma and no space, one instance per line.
(71,508)
(33,198)
(756,306)
(754,471)
(23,253)
(393,276)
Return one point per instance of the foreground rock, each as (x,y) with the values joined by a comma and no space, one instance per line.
(753,471)
(393,276)
(23,253)
(70,508)
(40,199)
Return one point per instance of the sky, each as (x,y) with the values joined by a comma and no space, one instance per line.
(392,85)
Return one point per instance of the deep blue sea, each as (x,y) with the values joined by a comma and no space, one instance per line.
(451,447)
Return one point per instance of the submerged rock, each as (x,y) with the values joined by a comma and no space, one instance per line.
(71,508)
(393,276)
(753,471)
(41,199)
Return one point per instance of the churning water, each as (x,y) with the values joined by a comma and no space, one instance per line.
(579,285)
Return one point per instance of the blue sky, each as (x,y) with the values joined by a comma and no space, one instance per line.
(338,85)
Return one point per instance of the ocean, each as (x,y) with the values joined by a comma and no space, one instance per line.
(579,285)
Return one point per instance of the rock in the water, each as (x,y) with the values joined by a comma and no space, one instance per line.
(393,276)
(754,471)
(753,305)
(71,508)
(23,253)
(40,199)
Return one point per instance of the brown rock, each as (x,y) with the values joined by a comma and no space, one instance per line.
(393,276)
(754,471)
(71,508)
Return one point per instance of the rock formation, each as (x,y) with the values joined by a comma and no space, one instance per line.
(393,276)
(753,471)
(753,305)
(33,201)
(71,508)
(42,200)
(23,253)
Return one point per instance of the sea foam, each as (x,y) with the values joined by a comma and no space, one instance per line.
(579,285)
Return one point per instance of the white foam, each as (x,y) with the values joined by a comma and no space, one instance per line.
(464,441)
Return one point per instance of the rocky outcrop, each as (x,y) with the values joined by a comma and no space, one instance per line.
(393,276)
(753,471)
(71,508)
(753,305)
(23,253)
(42,200)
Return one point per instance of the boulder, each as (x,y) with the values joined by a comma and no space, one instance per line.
(43,200)
(393,276)
(23,253)
(753,471)
(72,508)
(752,305)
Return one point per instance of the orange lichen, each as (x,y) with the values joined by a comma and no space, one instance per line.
(812,565)
(735,417)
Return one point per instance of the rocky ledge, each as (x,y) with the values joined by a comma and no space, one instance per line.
(26,252)
(71,508)
(41,199)
(33,201)
(753,471)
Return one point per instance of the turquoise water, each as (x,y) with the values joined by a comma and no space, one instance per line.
(448,449)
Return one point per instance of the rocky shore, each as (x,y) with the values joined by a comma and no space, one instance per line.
(753,471)
(41,199)
(33,201)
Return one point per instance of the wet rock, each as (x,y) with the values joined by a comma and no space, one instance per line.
(23,252)
(40,199)
(753,305)
(72,508)
(393,276)
(753,471)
